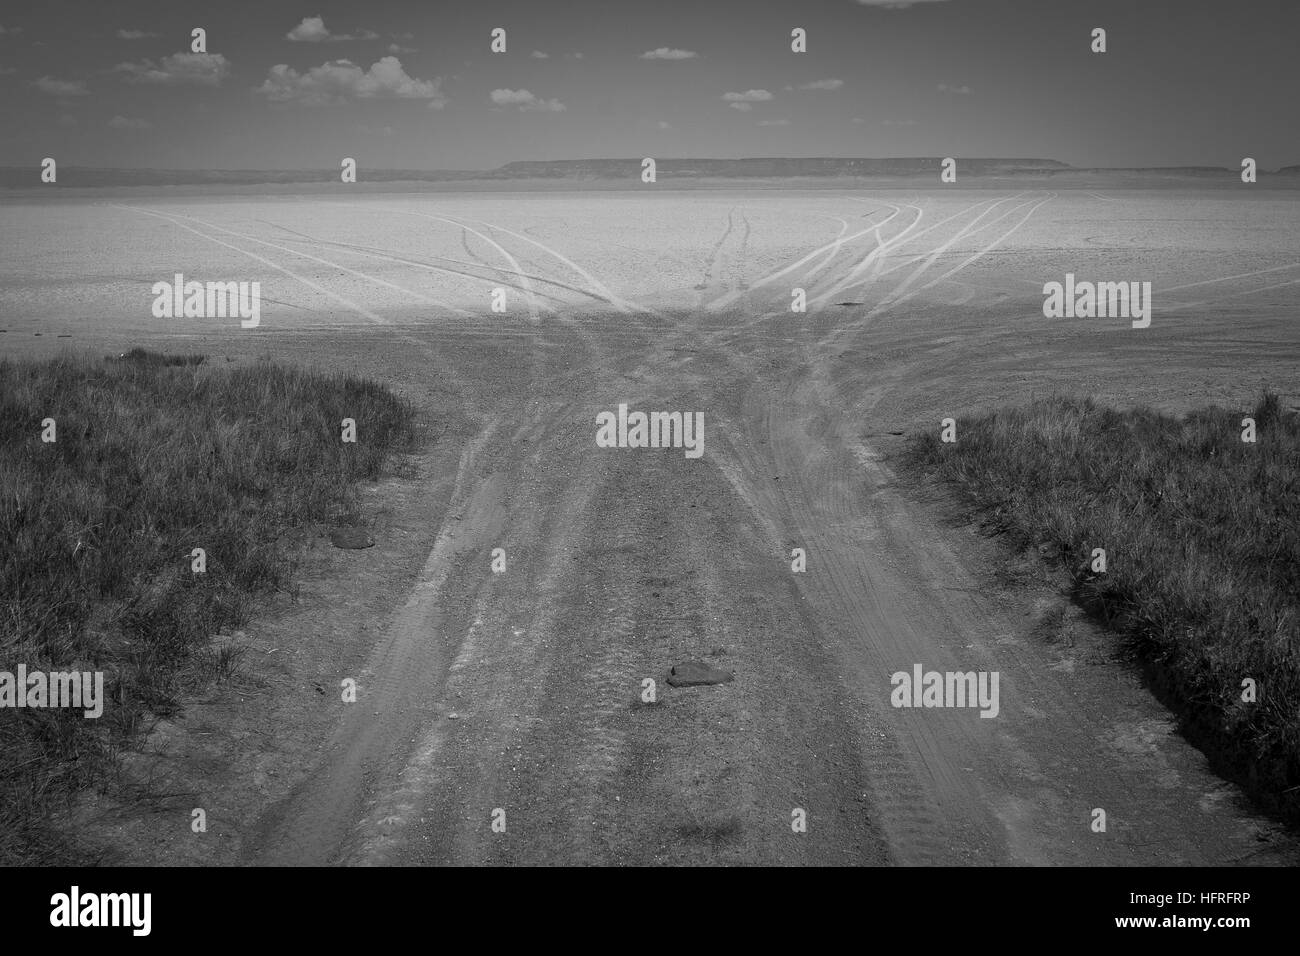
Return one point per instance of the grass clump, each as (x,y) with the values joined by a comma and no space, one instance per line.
(153,457)
(1201,532)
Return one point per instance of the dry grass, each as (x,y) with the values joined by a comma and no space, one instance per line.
(1202,538)
(155,456)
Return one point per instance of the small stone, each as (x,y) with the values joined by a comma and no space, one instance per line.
(351,539)
(697,673)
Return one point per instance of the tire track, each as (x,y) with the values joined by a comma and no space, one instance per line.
(898,298)
(385,255)
(877,256)
(601,290)
(346,303)
(729,298)
(708,278)
(325,262)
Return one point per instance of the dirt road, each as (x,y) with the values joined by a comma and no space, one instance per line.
(519,694)
(515,696)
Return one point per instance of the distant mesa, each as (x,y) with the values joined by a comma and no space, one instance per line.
(559,169)
(612,171)
(1183,171)
(766,167)
(85,176)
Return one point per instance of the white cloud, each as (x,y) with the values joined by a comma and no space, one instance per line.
(539,55)
(313,30)
(664,53)
(53,87)
(9,30)
(575,56)
(749,96)
(959,90)
(126,122)
(775,122)
(744,101)
(135,34)
(663,124)
(510,97)
(526,101)
(822,85)
(858,119)
(179,69)
(395,49)
(341,81)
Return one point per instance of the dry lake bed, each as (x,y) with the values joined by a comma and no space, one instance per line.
(919,305)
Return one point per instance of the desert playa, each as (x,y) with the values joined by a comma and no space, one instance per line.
(520,689)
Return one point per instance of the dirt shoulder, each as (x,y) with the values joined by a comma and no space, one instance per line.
(522,691)
(236,750)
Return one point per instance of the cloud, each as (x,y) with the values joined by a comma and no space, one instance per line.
(858,119)
(9,30)
(744,101)
(664,53)
(893,4)
(509,97)
(574,56)
(313,30)
(539,55)
(135,34)
(395,49)
(179,69)
(6,70)
(663,124)
(959,90)
(526,101)
(48,84)
(124,122)
(66,120)
(822,85)
(775,122)
(342,81)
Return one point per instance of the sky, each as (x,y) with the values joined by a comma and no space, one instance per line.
(415,85)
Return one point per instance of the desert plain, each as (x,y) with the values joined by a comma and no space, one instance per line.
(523,690)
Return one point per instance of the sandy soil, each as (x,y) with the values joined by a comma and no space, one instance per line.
(521,691)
